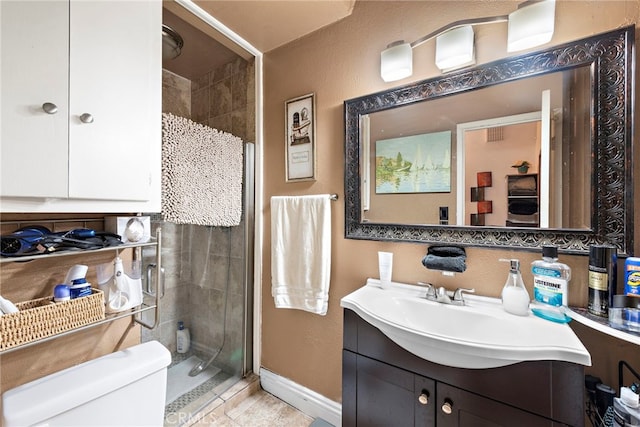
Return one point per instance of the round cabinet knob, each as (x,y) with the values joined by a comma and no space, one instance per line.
(423,398)
(86,118)
(49,108)
(447,407)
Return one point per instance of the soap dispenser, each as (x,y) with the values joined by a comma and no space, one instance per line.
(515,298)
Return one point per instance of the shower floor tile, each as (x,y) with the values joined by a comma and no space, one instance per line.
(178,412)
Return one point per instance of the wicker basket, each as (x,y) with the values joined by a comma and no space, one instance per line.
(41,318)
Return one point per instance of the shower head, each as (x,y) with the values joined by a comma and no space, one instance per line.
(171,43)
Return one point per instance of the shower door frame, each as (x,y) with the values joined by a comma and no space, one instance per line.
(252,353)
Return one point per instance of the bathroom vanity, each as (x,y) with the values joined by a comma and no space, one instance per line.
(411,361)
(384,385)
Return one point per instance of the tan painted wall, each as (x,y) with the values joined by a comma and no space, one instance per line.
(341,62)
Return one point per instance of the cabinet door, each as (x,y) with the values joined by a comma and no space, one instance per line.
(115,75)
(459,408)
(388,396)
(34,71)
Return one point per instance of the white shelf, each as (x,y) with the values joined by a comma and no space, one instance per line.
(72,252)
(156,295)
(581,315)
(108,319)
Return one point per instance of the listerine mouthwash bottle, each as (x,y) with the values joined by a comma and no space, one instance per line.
(550,278)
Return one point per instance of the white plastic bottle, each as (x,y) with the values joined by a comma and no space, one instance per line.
(550,278)
(7,307)
(183,338)
(515,298)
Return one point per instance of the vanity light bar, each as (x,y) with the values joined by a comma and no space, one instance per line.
(532,24)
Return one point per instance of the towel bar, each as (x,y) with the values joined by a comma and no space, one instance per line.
(332,197)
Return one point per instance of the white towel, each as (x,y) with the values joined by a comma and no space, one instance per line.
(301,252)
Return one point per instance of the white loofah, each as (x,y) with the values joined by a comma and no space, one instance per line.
(202,171)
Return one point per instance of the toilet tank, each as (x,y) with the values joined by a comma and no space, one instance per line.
(125,388)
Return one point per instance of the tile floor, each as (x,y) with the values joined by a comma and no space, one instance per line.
(247,405)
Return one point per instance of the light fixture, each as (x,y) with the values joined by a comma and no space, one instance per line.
(396,61)
(532,24)
(172,43)
(454,49)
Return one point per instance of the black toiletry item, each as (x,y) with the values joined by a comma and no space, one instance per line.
(445,258)
(602,278)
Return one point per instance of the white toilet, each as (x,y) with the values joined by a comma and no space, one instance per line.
(126,388)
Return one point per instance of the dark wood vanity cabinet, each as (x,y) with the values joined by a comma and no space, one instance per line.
(384,385)
(385,395)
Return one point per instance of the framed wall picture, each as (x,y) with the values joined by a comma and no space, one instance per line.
(484,179)
(300,144)
(414,164)
(485,206)
(477,194)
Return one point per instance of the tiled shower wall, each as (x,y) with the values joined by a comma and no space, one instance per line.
(224,99)
(204,266)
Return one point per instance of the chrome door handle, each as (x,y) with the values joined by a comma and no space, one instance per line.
(49,108)
(159,286)
(86,118)
(150,268)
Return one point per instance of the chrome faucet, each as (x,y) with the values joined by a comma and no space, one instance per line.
(444,296)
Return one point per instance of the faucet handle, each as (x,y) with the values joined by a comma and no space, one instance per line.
(457,295)
(431,291)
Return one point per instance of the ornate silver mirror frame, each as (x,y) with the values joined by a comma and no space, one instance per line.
(611,61)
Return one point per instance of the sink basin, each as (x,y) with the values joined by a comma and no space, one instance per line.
(478,335)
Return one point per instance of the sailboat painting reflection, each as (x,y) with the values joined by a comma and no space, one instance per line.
(414,164)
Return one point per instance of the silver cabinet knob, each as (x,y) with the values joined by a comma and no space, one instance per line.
(447,407)
(49,108)
(86,118)
(423,398)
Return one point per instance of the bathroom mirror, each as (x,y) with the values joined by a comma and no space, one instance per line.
(582,93)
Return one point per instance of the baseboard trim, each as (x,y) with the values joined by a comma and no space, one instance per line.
(302,398)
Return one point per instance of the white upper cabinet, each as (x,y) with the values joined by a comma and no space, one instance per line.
(81,106)
(35,72)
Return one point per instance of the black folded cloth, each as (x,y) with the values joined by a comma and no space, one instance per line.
(445,258)
(523,207)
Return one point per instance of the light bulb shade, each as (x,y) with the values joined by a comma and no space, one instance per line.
(531,25)
(396,62)
(454,48)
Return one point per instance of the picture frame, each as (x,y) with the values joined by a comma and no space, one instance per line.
(300,138)
(477,219)
(484,179)
(477,194)
(414,164)
(485,206)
